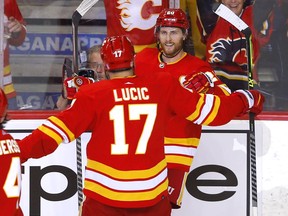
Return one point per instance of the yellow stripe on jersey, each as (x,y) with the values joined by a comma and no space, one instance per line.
(198,110)
(179,159)
(9,88)
(126,175)
(224,88)
(126,196)
(231,76)
(58,139)
(213,112)
(182,141)
(62,127)
(7,70)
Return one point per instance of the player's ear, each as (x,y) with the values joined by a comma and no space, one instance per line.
(185,35)
(184,38)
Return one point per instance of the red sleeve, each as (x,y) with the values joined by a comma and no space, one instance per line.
(11,9)
(36,145)
(206,109)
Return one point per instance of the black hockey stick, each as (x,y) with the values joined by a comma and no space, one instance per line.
(66,72)
(82,9)
(225,13)
(76,17)
(67,68)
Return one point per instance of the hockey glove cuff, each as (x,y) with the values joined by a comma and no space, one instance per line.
(253,101)
(73,83)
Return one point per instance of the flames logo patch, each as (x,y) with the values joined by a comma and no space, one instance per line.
(138,14)
(227,50)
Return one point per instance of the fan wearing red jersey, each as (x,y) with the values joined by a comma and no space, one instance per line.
(16,26)
(226,46)
(171,32)
(126,170)
(10,177)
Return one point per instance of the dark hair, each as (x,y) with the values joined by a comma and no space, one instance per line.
(248,2)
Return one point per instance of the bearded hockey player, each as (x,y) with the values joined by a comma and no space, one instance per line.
(171,32)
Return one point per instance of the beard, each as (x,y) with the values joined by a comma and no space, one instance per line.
(173,50)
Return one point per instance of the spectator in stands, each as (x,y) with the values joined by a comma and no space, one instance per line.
(15,36)
(95,63)
(226,45)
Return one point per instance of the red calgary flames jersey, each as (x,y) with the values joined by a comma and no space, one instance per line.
(135,19)
(180,133)
(126,164)
(227,50)
(10,178)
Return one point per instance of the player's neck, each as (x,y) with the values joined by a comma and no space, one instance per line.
(173,58)
(121,74)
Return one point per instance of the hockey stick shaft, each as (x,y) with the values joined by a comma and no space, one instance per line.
(85,6)
(225,13)
(252,127)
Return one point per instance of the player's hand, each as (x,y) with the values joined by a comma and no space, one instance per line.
(72,84)
(199,82)
(79,81)
(14,25)
(252,99)
(70,88)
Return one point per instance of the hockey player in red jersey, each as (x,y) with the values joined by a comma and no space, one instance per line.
(10,177)
(171,32)
(126,170)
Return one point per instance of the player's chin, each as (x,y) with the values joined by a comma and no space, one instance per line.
(236,9)
(169,51)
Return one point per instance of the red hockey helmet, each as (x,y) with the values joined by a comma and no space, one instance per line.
(117,53)
(172,17)
(3,103)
